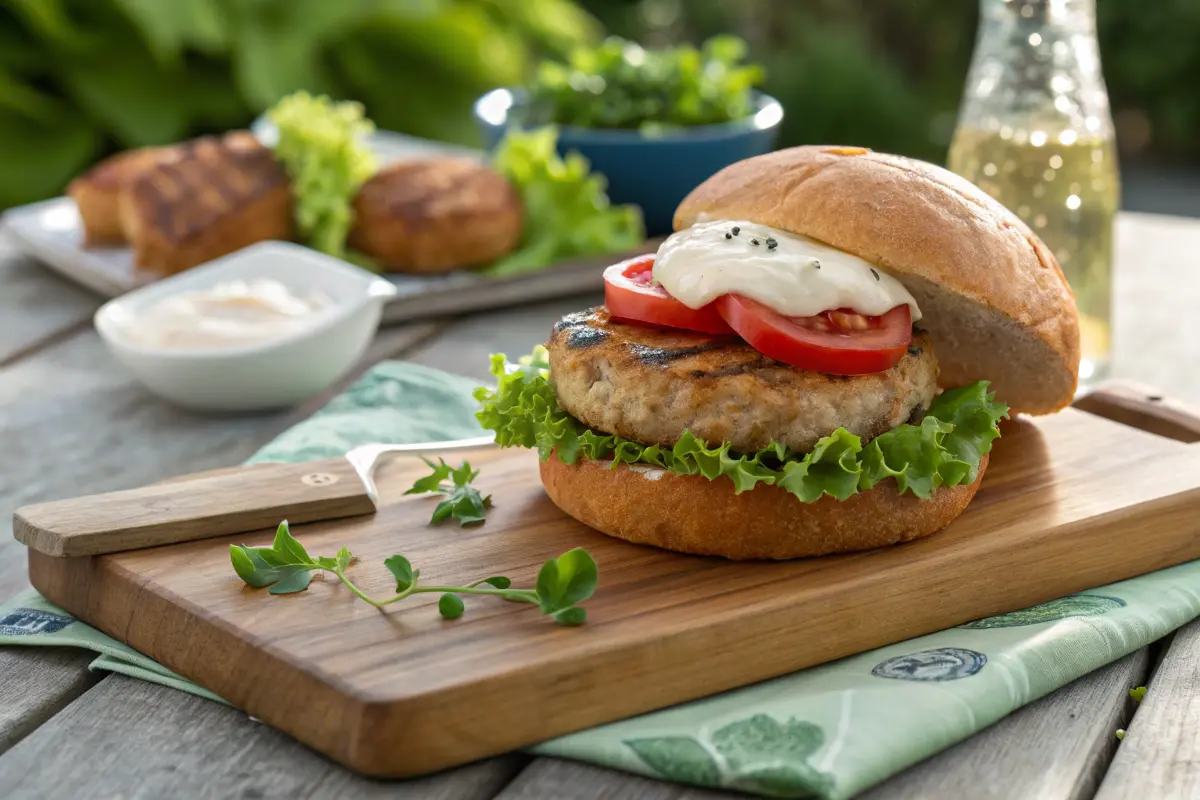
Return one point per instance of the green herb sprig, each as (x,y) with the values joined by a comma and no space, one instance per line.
(286,567)
(464,502)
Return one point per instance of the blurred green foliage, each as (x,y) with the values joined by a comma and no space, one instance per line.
(81,78)
(889,74)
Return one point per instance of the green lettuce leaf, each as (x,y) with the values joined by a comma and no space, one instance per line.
(943,450)
(567,211)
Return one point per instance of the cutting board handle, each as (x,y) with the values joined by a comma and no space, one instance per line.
(1144,408)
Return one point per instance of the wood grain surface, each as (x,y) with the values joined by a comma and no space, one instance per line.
(404,692)
(1160,754)
(201,507)
(132,739)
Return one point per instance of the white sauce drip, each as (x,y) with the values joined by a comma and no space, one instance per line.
(232,314)
(699,264)
(648,472)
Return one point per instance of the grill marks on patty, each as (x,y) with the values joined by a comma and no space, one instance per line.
(650,384)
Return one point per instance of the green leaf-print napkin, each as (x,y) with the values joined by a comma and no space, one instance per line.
(828,732)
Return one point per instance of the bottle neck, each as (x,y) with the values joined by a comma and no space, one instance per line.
(1037,63)
(1076,15)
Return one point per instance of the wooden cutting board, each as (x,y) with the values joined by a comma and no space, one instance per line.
(1070,502)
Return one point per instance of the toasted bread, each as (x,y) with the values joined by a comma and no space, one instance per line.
(218,195)
(97,192)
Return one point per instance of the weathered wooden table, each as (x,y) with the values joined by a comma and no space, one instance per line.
(71,422)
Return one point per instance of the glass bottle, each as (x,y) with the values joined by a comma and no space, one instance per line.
(1035,132)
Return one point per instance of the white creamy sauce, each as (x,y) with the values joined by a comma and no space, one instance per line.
(648,472)
(793,275)
(232,314)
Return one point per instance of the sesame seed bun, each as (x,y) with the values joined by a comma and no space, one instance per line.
(991,293)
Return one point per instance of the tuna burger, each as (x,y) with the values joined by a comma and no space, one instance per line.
(816,361)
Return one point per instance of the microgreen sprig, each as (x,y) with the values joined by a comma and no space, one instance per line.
(464,501)
(286,567)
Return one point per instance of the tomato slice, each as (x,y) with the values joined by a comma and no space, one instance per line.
(837,342)
(631,295)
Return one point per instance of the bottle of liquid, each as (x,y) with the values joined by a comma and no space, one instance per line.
(1035,132)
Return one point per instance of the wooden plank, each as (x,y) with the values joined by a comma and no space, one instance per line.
(35,684)
(1160,754)
(555,779)
(1056,748)
(129,738)
(660,634)
(36,306)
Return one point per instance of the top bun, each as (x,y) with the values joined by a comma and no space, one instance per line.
(990,292)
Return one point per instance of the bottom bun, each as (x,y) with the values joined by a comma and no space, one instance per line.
(692,514)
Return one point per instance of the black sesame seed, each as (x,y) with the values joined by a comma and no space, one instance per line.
(729,236)
(736,230)
(754,241)
(772,245)
(876,274)
(816,263)
(771,241)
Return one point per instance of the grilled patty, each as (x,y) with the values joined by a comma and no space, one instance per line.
(651,384)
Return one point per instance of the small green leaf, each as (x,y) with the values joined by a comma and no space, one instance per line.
(451,606)
(343,559)
(443,511)
(402,571)
(498,581)
(433,481)
(292,579)
(1137,694)
(286,545)
(325,562)
(463,475)
(567,580)
(570,616)
(244,567)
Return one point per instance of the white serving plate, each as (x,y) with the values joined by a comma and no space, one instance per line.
(51,232)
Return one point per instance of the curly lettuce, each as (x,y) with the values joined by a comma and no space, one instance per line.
(944,449)
(322,146)
(567,212)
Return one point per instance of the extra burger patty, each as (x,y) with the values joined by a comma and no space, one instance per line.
(651,384)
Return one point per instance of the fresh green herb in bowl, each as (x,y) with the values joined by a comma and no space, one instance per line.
(620,84)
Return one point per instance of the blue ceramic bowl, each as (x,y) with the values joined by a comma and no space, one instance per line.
(653,171)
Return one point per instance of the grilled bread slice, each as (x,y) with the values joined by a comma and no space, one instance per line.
(97,192)
(218,195)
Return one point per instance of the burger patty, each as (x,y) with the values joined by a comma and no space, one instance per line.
(651,384)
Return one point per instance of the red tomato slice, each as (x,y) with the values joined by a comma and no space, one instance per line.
(630,295)
(836,342)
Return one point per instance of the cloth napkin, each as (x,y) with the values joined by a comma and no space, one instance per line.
(829,732)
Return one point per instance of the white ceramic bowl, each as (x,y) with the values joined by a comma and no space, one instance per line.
(270,374)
